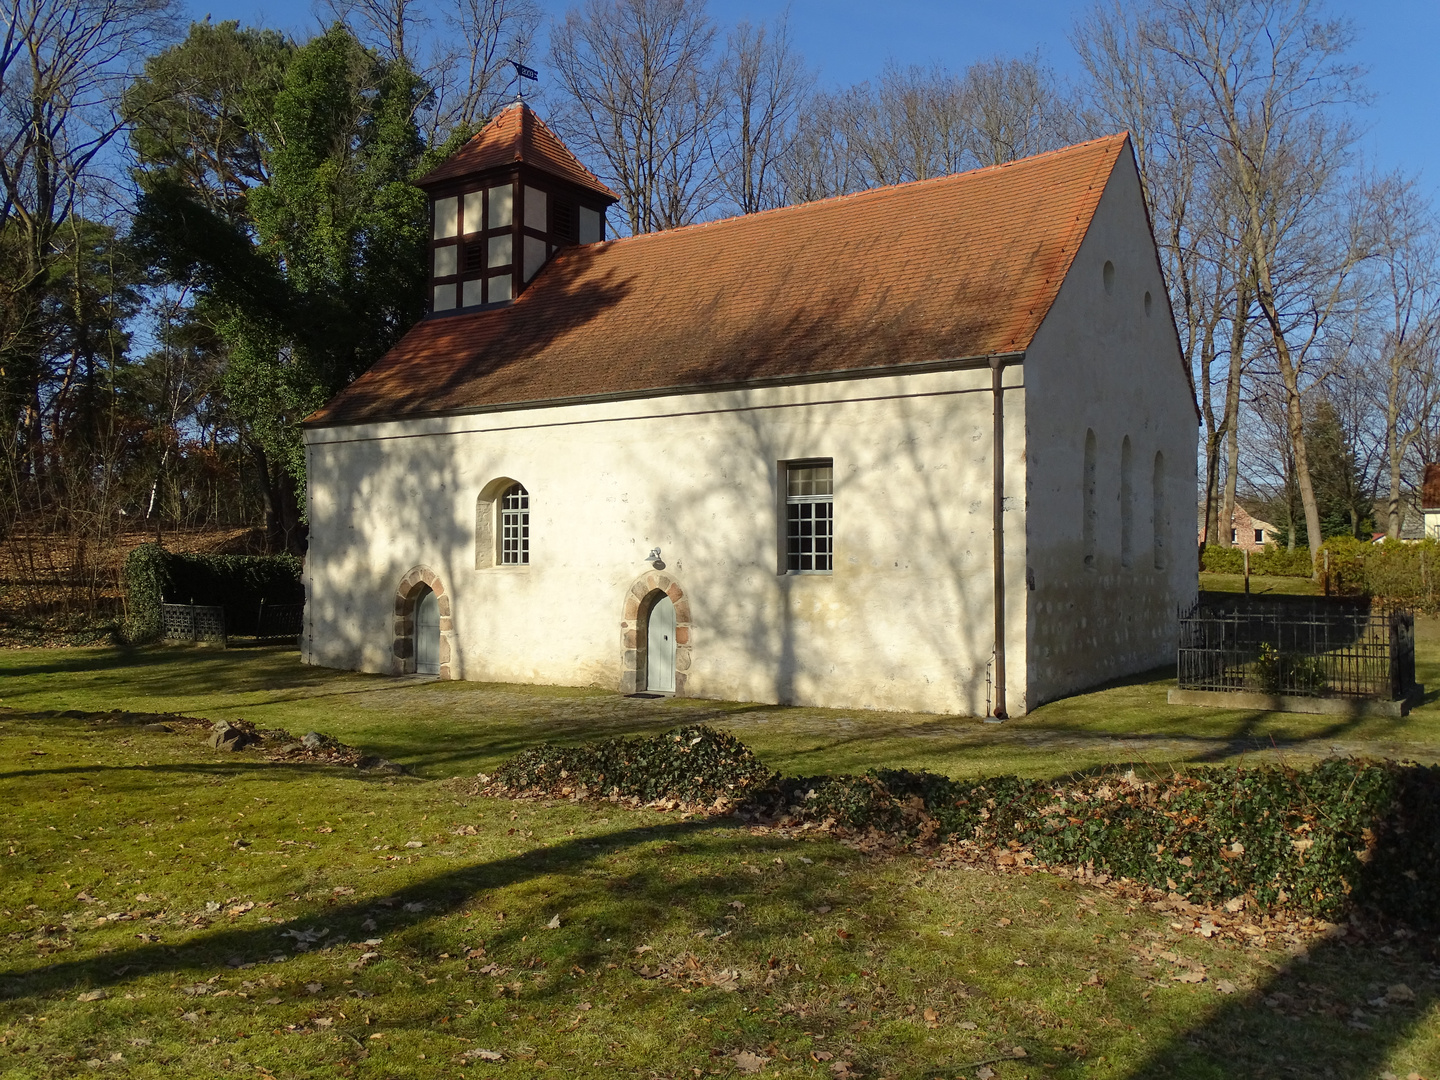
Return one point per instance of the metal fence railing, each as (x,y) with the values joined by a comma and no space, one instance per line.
(205,622)
(1349,649)
(193,622)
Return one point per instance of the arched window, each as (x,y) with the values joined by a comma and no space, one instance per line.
(515,527)
(502,524)
(1127,506)
(1088,519)
(1159,510)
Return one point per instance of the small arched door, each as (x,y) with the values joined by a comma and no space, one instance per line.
(427,634)
(660,647)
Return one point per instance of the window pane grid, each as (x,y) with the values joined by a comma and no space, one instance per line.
(810,519)
(515,527)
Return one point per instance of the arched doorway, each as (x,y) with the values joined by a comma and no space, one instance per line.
(660,646)
(421,587)
(427,633)
(655,606)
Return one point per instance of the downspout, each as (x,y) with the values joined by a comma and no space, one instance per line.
(997,371)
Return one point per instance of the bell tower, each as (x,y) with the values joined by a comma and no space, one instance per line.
(501,206)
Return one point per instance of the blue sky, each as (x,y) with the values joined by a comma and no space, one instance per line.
(848,41)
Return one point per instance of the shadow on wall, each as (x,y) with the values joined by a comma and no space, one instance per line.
(770,617)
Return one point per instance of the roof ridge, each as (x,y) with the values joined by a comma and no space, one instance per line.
(883,189)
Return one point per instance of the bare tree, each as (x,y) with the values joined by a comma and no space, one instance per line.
(1016,108)
(643,98)
(1271,78)
(466,65)
(764,83)
(1403,339)
(820,162)
(1134,86)
(391,27)
(63,66)
(471,74)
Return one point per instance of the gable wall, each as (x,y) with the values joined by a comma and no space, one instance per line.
(1100,363)
(904,622)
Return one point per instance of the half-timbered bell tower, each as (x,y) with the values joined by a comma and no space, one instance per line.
(501,206)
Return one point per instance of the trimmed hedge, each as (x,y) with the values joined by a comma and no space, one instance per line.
(1346,835)
(235,582)
(1399,573)
(1271,562)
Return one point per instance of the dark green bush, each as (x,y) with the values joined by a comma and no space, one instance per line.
(1271,562)
(690,764)
(1398,573)
(235,582)
(1342,836)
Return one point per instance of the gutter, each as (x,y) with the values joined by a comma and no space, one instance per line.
(998,364)
(964,363)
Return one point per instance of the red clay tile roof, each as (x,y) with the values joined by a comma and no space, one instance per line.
(962,266)
(1430,489)
(516,134)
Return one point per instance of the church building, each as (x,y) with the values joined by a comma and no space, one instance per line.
(928,447)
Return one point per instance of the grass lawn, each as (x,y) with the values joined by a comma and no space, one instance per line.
(251,918)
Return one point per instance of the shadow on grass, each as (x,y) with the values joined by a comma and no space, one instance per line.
(1313,1018)
(644,899)
(1325,1014)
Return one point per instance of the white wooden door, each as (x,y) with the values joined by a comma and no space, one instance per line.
(427,634)
(660,647)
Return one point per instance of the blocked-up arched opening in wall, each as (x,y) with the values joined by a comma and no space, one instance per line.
(421,597)
(655,605)
(1159,510)
(1127,506)
(1090,511)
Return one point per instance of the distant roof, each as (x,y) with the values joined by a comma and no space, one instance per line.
(516,135)
(1430,489)
(961,266)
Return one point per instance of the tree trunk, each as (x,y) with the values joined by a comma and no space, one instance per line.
(1239,325)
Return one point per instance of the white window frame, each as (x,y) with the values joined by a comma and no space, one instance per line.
(797,508)
(514,505)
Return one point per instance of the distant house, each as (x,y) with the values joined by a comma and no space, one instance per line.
(1247,532)
(856,453)
(1430,500)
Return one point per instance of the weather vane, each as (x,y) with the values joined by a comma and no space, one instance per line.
(521,74)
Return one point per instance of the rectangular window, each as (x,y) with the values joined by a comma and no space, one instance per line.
(809,517)
(474,211)
(502,206)
(535,216)
(1232,536)
(447,212)
(500,250)
(589,225)
(1259,536)
(515,527)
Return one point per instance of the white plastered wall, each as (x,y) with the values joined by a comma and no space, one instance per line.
(905,621)
(1099,362)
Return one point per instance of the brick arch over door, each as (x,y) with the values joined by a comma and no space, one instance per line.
(639,599)
(411,586)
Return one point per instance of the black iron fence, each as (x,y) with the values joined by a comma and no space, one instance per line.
(1298,647)
(214,623)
